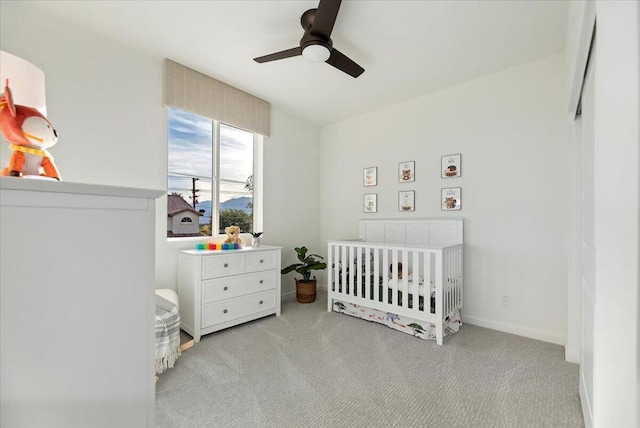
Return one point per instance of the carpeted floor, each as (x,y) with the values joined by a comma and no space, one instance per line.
(311,368)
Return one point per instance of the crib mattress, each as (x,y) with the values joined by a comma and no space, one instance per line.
(417,328)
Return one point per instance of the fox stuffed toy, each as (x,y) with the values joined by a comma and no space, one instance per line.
(29,134)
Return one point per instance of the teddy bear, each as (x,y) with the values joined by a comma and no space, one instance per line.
(233,236)
(29,134)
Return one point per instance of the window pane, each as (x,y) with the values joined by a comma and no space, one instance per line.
(189,174)
(236,178)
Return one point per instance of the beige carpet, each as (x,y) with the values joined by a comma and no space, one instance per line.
(311,368)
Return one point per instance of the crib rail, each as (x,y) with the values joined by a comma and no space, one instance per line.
(419,282)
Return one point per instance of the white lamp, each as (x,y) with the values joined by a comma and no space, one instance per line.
(316,53)
(25,80)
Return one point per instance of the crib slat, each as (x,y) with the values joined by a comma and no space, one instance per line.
(417,274)
(394,294)
(447,286)
(439,303)
(345,267)
(405,279)
(427,282)
(376,274)
(358,281)
(385,283)
(367,278)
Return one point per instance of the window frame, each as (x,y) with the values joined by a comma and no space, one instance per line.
(257,197)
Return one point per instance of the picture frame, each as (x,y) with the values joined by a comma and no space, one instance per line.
(451,166)
(406,201)
(370,203)
(406,171)
(370,176)
(451,199)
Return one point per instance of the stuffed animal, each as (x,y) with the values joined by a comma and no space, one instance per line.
(29,134)
(233,236)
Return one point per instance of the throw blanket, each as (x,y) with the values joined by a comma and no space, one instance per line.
(167,334)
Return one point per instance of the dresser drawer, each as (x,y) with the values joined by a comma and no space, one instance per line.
(219,312)
(260,261)
(218,289)
(220,266)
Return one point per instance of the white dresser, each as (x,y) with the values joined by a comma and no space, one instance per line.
(77,305)
(220,289)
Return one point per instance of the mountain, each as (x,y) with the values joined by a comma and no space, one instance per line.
(235,203)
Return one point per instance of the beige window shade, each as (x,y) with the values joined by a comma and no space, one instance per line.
(198,93)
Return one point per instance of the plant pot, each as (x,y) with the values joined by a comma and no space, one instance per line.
(306,291)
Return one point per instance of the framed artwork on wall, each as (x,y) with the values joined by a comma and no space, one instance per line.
(370,203)
(450,166)
(406,171)
(406,201)
(370,176)
(451,199)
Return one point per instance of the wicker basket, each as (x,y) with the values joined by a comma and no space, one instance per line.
(306,291)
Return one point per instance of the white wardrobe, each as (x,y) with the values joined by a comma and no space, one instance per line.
(603,321)
(77,305)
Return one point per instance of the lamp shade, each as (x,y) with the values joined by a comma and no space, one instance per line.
(25,80)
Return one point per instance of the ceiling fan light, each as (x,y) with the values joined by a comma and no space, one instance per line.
(316,53)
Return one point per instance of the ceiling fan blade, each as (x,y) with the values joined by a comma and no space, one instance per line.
(344,63)
(325,18)
(279,55)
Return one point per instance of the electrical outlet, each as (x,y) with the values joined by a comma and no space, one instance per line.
(505,299)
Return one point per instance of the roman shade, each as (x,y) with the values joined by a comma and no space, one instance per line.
(189,90)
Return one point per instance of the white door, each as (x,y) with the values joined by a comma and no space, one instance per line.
(588,250)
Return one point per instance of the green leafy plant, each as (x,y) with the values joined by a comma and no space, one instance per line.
(307,264)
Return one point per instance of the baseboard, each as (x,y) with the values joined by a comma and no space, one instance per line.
(289,294)
(586,405)
(532,334)
(571,356)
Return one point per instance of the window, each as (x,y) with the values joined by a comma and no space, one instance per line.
(186,220)
(212,172)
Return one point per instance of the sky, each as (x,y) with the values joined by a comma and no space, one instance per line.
(191,155)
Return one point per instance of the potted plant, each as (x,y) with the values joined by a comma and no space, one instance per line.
(305,287)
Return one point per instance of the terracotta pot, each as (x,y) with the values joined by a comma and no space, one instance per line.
(306,291)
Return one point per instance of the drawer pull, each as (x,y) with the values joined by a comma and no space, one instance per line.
(261,281)
(261,261)
(226,265)
(226,288)
(260,301)
(224,312)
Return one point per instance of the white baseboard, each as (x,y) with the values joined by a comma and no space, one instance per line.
(571,355)
(288,294)
(532,334)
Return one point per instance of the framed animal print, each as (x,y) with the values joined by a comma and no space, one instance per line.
(451,199)
(450,166)
(370,203)
(406,172)
(370,176)
(406,201)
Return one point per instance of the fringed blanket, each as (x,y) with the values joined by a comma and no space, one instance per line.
(167,334)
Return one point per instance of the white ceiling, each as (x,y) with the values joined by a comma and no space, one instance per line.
(408,48)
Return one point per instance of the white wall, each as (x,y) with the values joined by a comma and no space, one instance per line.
(105,100)
(511,130)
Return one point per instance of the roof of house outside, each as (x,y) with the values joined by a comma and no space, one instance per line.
(175,205)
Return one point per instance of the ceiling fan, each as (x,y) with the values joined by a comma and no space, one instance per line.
(316,44)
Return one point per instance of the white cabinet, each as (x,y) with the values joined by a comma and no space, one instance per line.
(220,289)
(77,305)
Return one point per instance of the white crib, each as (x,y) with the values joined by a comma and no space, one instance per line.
(408,268)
